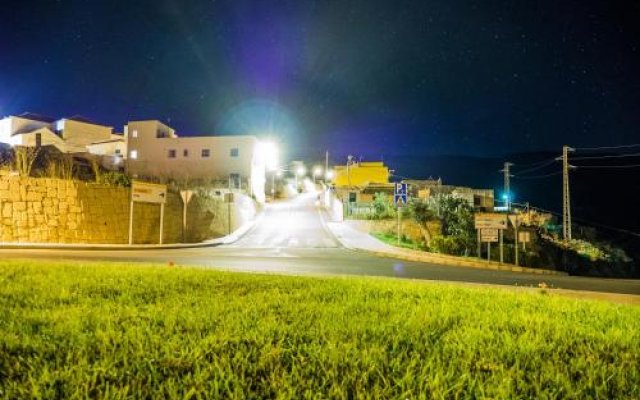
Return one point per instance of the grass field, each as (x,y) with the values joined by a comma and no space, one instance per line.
(77,330)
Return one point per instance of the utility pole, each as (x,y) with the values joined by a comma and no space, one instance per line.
(566,200)
(507,184)
(349,158)
(326,164)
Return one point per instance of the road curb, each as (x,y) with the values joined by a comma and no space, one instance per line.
(452,260)
(465,263)
(231,238)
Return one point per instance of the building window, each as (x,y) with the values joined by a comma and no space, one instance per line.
(234,152)
(160,134)
(117,151)
(134,133)
(185,153)
(38,139)
(172,153)
(206,153)
(134,154)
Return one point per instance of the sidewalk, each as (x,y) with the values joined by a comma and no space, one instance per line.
(360,241)
(231,238)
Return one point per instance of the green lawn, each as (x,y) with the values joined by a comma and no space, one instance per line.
(77,330)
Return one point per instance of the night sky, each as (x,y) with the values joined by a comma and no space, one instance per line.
(366,77)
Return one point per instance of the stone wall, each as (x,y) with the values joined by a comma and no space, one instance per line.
(38,210)
(409,228)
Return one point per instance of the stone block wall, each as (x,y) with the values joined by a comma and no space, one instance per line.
(39,210)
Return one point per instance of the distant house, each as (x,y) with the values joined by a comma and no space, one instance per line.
(360,174)
(155,150)
(68,135)
(480,199)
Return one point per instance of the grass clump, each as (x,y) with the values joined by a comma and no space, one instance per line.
(77,330)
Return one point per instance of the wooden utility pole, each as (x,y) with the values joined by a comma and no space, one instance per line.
(566,199)
(507,184)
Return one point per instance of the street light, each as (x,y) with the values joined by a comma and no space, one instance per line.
(317,171)
(300,171)
(268,152)
(329,175)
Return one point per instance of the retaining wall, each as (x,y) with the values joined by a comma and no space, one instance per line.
(39,210)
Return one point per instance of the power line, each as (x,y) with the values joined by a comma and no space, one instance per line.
(606,166)
(545,164)
(625,146)
(538,176)
(607,156)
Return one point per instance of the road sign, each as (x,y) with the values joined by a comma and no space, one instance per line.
(400,194)
(490,221)
(143,192)
(186,196)
(515,221)
(524,237)
(489,235)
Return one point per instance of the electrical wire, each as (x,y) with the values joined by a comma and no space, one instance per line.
(544,165)
(625,146)
(607,156)
(606,166)
(538,176)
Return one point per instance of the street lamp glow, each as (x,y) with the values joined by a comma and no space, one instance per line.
(300,171)
(268,151)
(317,171)
(329,175)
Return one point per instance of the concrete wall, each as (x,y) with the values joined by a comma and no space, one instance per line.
(36,210)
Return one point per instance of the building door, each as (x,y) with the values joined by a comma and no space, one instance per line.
(38,139)
(234,181)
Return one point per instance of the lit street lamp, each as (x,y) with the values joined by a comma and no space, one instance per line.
(317,171)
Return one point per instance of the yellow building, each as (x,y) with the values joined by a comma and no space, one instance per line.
(361,174)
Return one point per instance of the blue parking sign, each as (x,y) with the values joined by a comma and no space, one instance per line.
(400,194)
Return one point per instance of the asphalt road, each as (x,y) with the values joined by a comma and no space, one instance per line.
(290,238)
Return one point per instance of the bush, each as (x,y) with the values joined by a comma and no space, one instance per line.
(115,179)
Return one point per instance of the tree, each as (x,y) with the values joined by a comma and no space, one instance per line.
(23,158)
(456,216)
(422,213)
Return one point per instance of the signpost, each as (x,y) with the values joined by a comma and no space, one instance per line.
(143,192)
(400,199)
(515,221)
(490,227)
(524,237)
(186,198)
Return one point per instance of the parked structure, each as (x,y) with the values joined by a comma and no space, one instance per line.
(155,150)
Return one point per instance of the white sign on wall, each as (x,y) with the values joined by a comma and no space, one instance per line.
(143,192)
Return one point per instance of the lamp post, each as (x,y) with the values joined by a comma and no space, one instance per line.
(317,171)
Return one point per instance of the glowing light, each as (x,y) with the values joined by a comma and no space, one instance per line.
(329,175)
(268,152)
(301,171)
(317,171)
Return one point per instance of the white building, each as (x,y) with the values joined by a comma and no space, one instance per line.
(68,135)
(154,150)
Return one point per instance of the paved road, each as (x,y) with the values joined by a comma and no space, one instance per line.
(289,224)
(291,239)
